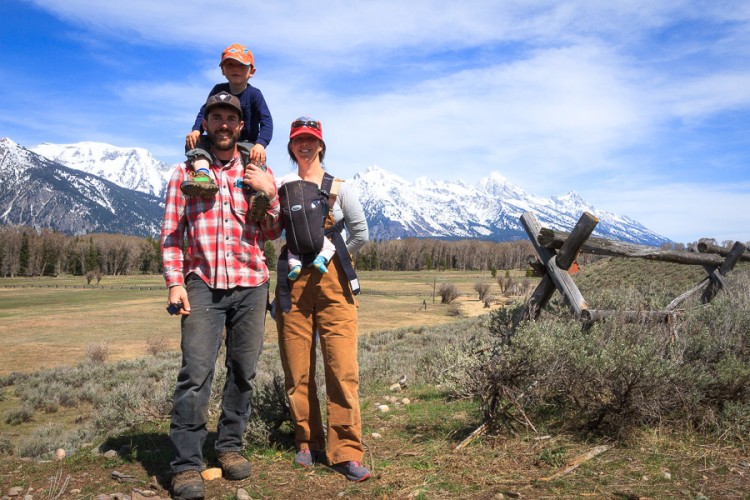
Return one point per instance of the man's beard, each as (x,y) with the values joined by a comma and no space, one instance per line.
(222,142)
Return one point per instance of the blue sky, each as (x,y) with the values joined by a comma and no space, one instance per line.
(641,106)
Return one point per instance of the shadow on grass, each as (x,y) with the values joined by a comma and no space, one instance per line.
(154,451)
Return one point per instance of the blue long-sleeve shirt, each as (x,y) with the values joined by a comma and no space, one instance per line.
(258,122)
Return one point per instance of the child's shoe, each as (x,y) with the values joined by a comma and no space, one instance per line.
(294,273)
(320,264)
(201,184)
(260,203)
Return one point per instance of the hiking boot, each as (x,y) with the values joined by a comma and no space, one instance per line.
(234,465)
(200,185)
(188,485)
(352,470)
(320,264)
(306,458)
(260,203)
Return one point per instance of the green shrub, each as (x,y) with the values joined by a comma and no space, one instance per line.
(619,375)
(18,416)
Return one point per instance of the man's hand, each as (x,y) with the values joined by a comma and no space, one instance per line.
(192,139)
(260,180)
(258,154)
(178,296)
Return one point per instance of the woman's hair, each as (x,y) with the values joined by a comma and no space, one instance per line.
(321,155)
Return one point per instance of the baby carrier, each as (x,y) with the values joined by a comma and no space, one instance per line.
(304,209)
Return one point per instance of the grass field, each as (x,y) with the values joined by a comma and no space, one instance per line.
(48,322)
(411,449)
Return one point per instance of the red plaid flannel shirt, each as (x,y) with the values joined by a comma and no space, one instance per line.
(223,246)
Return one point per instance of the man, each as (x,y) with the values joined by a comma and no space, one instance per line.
(217,277)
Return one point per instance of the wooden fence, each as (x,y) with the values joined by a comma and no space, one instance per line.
(557,251)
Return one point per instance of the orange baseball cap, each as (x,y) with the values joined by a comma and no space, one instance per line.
(239,53)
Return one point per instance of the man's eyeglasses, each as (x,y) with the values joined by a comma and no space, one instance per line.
(309,124)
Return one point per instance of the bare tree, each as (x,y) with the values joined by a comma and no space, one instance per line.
(448,293)
(482,289)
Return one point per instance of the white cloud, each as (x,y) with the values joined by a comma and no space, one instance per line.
(556,96)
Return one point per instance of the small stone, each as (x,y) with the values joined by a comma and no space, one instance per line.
(110,454)
(383,409)
(406,401)
(15,491)
(211,474)
(59,454)
(395,387)
(154,483)
(376,435)
(667,475)
(75,491)
(242,494)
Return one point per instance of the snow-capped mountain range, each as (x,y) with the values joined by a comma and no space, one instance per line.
(41,193)
(131,168)
(490,210)
(98,183)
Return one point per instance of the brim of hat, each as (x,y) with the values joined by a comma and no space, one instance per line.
(238,60)
(306,130)
(224,105)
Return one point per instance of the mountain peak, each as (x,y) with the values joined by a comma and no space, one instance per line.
(133,168)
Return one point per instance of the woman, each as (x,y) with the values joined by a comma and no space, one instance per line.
(322,303)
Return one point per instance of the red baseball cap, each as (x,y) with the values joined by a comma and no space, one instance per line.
(239,53)
(306,125)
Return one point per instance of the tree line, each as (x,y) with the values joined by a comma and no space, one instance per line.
(26,251)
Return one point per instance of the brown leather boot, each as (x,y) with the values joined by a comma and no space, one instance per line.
(188,485)
(260,204)
(234,465)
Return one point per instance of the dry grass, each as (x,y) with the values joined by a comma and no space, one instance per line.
(43,327)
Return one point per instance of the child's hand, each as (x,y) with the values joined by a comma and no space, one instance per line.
(258,154)
(192,139)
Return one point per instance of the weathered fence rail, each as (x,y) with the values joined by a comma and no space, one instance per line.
(557,251)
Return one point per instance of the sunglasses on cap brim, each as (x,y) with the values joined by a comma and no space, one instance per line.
(308,124)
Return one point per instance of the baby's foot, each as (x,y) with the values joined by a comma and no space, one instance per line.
(294,273)
(320,264)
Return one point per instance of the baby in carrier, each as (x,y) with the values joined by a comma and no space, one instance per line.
(303,208)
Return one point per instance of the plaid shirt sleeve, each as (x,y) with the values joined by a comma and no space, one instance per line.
(173,230)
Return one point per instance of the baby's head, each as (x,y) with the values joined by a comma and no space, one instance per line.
(237,63)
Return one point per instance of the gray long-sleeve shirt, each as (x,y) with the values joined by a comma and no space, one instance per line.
(349,208)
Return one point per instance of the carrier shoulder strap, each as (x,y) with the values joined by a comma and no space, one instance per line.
(325,193)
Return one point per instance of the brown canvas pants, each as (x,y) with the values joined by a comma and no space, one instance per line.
(323,302)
